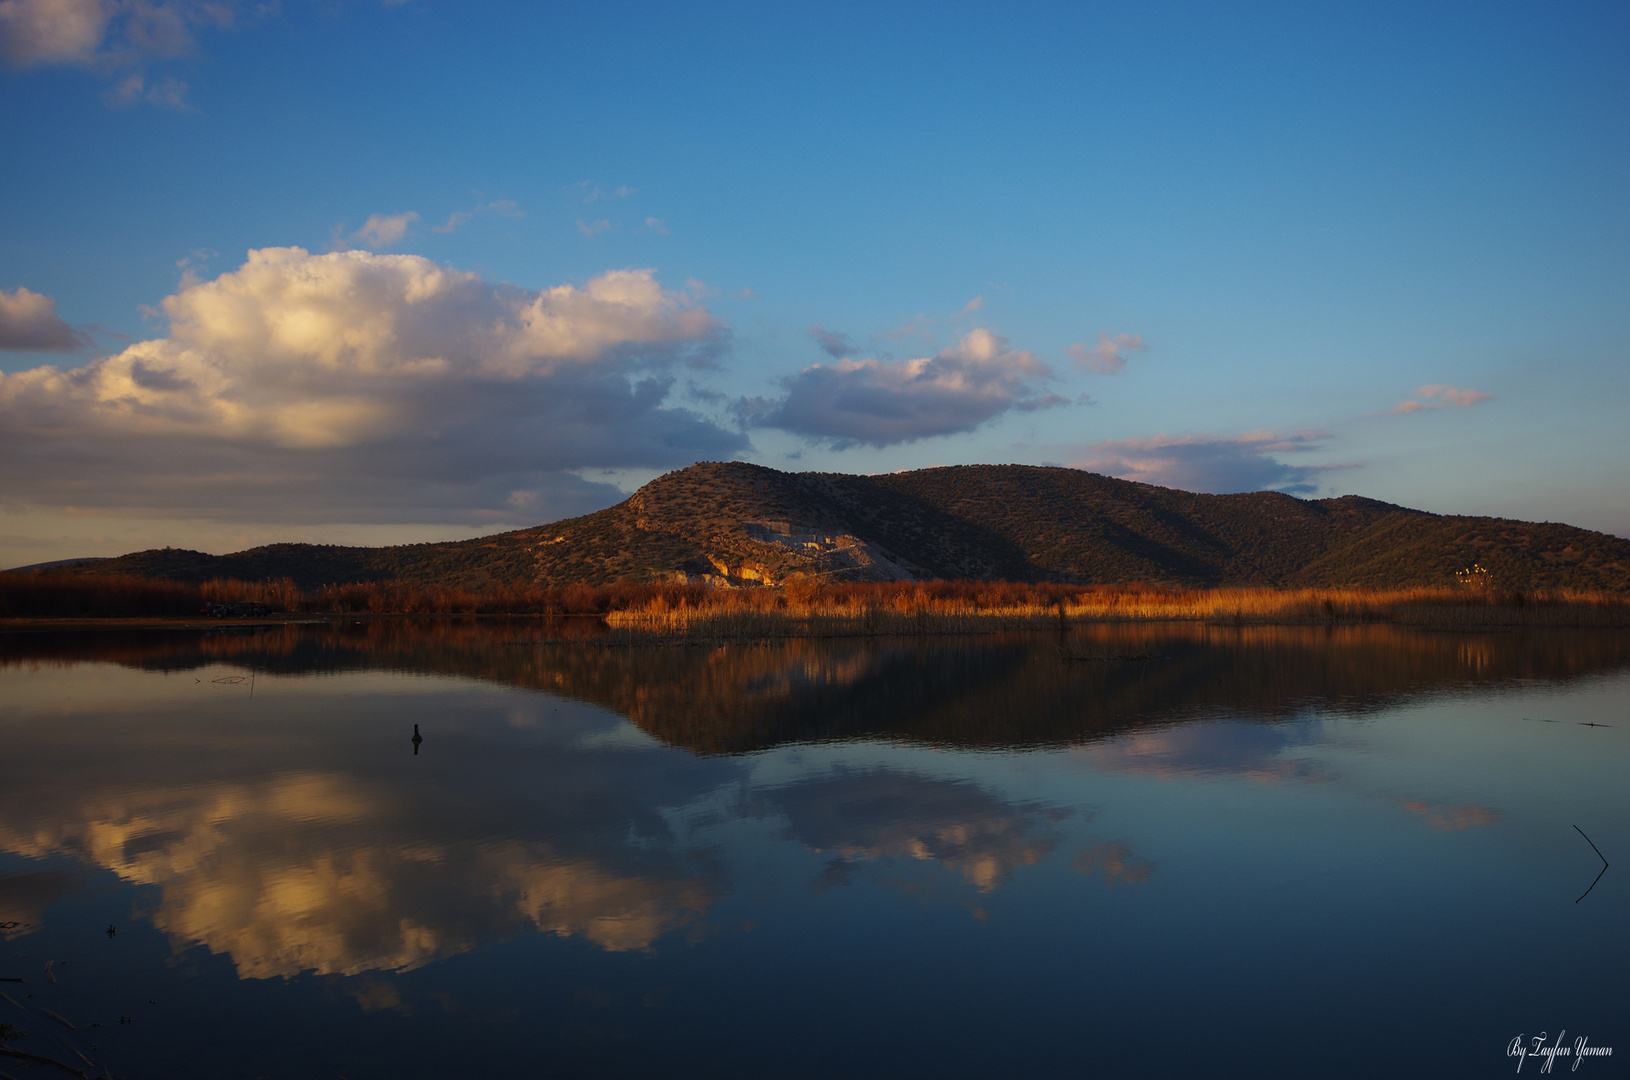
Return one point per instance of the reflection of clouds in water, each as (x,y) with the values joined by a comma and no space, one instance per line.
(1212,748)
(882,813)
(1115,861)
(301,872)
(1451,818)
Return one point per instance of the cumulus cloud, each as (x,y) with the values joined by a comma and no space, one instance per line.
(383,230)
(1439,397)
(837,346)
(29,322)
(1108,357)
(363,387)
(884,402)
(1208,463)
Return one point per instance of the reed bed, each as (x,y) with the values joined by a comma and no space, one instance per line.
(804,609)
(960,607)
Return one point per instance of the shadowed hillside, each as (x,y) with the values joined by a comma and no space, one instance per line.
(734,523)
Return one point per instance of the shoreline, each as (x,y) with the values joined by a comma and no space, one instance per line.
(703,625)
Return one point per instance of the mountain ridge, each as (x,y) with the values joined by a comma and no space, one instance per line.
(733,523)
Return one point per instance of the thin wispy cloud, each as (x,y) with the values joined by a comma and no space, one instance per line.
(29,323)
(887,402)
(657,225)
(460,218)
(592,229)
(367,388)
(385,230)
(168,93)
(1209,463)
(1439,397)
(971,306)
(835,345)
(1108,356)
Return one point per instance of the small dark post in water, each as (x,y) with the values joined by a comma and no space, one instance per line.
(417,739)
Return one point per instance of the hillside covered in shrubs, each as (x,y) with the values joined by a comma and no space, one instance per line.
(739,524)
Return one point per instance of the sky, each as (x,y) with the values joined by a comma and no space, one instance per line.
(345,271)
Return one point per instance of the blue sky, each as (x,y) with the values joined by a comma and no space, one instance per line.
(548,252)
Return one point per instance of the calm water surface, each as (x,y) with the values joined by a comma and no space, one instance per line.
(1186,851)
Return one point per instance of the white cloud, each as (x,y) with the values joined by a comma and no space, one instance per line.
(1208,463)
(591,228)
(1108,357)
(383,230)
(972,306)
(882,402)
(656,224)
(29,322)
(363,387)
(1440,397)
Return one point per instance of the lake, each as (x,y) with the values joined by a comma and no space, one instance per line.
(1135,850)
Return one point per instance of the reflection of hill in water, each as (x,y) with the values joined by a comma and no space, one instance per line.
(973,691)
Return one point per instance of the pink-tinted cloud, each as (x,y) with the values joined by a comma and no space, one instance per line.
(1114,860)
(1439,397)
(1219,465)
(115,37)
(1108,357)
(1452,818)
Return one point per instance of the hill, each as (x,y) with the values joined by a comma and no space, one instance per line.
(735,523)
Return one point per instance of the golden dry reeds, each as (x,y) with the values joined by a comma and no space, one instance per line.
(969,607)
(805,609)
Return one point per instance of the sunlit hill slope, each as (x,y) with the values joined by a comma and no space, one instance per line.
(739,524)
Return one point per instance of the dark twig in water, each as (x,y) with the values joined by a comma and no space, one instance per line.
(1534,720)
(58,1018)
(38,1059)
(1599,855)
(1591,723)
